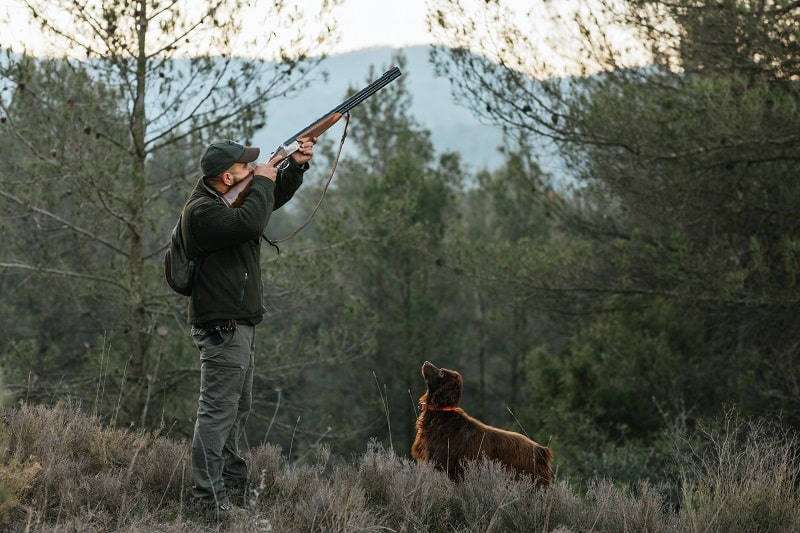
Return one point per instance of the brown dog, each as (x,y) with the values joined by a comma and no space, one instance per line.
(447,436)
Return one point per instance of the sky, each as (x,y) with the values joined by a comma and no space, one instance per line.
(361,23)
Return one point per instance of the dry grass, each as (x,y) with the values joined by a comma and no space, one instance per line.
(746,480)
(62,470)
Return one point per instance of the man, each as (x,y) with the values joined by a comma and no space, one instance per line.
(226,304)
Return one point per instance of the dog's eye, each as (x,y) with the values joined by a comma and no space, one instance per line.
(441,374)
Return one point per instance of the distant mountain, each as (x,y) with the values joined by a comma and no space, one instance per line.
(453,128)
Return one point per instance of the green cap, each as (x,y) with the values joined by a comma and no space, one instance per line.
(221,155)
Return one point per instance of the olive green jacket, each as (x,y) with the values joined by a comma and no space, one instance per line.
(228,242)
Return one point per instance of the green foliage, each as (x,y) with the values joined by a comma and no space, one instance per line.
(99,150)
(63,291)
(621,372)
(5,396)
(702,186)
(371,280)
(669,276)
(651,280)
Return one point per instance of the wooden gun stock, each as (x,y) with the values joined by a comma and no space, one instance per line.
(236,194)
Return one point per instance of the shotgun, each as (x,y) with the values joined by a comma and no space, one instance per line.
(236,194)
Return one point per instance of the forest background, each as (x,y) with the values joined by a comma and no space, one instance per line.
(648,285)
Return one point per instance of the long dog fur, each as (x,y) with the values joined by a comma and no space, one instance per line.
(447,436)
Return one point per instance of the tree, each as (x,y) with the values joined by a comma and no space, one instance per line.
(507,216)
(172,81)
(402,213)
(370,270)
(682,217)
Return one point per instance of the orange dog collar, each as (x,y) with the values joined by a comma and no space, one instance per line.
(429,407)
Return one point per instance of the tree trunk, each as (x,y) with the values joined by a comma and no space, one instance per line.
(136,366)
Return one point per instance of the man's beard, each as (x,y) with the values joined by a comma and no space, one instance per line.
(250,174)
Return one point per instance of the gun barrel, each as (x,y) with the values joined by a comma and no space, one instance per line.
(387,77)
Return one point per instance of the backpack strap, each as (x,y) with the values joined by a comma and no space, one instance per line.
(198,259)
(190,203)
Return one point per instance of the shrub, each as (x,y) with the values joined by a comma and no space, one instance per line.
(744,479)
(62,470)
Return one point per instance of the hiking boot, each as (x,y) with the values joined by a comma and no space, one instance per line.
(238,498)
(212,511)
(237,492)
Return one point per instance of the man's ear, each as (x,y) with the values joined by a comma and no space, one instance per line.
(227,178)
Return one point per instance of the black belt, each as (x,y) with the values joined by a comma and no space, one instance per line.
(216,328)
(218,325)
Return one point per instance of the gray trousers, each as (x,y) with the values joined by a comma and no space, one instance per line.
(226,397)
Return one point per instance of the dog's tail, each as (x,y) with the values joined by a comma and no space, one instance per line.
(543,456)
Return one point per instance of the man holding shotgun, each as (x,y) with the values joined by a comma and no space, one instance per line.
(221,225)
(226,304)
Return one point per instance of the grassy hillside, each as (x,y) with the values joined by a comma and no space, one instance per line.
(63,470)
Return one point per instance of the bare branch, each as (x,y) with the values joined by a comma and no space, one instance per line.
(77,229)
(64,273)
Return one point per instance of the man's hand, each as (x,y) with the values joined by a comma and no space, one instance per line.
(305,152)
(267,170)
(301,156)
